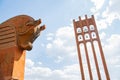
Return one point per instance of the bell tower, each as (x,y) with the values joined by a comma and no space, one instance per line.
(86,31)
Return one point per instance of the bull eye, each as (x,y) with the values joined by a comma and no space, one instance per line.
(29,23)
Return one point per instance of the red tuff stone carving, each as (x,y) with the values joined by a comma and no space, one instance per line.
(16,36)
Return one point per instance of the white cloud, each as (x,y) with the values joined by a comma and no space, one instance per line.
(110,16)
(114,61)
(97,5)
(40,63)
(61,48)
(114,6)
(59,59)
(111,51)
(63,44)
(105,12)
(113,44)
(49,45)
(29,63)
(70,72)
(65,49)
(110,13)
(101,24)
(102,35)
(50,36)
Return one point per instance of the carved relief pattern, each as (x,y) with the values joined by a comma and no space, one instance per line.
(7,36)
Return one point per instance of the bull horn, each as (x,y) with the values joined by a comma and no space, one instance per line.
(42,27)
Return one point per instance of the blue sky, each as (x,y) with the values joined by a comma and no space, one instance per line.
(54,54)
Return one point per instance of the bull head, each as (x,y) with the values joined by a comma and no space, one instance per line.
(25,30)
(26,38)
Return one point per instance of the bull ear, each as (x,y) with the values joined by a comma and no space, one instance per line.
(37,22)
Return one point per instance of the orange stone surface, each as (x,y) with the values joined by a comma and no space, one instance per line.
(12,62)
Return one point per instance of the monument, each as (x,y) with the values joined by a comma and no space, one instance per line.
(16,36)
(86,31)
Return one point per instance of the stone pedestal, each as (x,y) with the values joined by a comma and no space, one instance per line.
(12,62)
